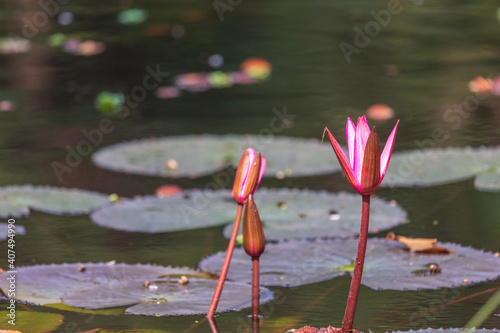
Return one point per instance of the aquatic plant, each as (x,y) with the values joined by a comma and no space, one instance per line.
(365,169)
(254,243)
(248,175)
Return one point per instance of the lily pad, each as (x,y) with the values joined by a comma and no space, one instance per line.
(34,322)
(430,167)
(167,297)
(4,230)
(9,209)
(303,213)
(148,290)
(53,200)
(180,211)
(286,213)
(197,155)
(388,265)
(488,181)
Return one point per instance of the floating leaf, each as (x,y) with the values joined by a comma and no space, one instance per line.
(167,297)
(197,155)
(488,181)
(414,244)
(194,209)
(46,284)
(33,322)
(53,200)
(286,213)
(428,167)
(4,230)
(303,213)
(9,209)
(148,290)
(387,265)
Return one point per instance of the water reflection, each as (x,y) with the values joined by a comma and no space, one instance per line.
(255,324)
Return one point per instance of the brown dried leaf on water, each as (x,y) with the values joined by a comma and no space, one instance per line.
(436,249)
(419,245)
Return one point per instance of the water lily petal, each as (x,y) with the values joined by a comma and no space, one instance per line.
(387,152)
(370,178)
(362,133)
(263,164)
(240,181)
(350,135)
(344,163)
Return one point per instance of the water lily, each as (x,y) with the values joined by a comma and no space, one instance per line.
(254,244)
(364,169)
(248,175)
(366,166)
(254,241)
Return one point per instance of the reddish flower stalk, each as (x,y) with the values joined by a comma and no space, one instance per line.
(254,244)
(213,325)
(248,175)
(365,169)
(352,299)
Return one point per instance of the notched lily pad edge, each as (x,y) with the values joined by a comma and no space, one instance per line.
(82,266)
(60,212)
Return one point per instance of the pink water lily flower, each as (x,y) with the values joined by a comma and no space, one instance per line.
(248,175)
(366,167)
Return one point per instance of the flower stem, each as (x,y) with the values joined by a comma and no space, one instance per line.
(213,325)
(225,266)
(352,299)
(255,287)
(255,325)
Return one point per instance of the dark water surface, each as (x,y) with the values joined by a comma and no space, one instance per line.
(419,63)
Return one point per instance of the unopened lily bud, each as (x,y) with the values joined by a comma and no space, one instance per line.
(254,241)
(248,175)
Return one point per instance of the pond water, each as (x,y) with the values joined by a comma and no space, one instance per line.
(419,61)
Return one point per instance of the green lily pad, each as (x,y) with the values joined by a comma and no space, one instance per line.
(388,265)
(53,200)
(146,289)
(46,284)
(286,213)
(488,181)
(430,167)
(4,230)
(197,155)
(181,211)
(9,209)
(289,214)
(167,298)
(33,322)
